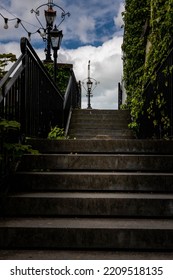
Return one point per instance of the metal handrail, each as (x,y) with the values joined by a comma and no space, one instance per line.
(72,99)
(26,44)
(67,92)
(8,75)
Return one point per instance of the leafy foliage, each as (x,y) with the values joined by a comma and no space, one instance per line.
(140,66)
(63,75)
(5,59)
(56,133)
(11,148)
(135,15)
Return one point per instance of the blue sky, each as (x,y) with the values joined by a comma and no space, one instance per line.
(92,32)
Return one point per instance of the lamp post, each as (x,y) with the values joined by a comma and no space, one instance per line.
(56,38)
(89,85)
(50,17)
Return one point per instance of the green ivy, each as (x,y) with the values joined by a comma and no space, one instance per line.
(139,68)
(56,133)
(135,15)
(63,75)
(11,150)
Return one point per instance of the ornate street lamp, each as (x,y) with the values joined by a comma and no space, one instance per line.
(90,88)
(50,17)
(56,38)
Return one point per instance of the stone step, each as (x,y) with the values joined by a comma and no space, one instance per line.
(102,193)
(86,133)
(118,113)
(100,118)
(130,146)
(93,181)
(86,124)
(90,125)
(84,255)
(78,204)
(99,162)
(86,233)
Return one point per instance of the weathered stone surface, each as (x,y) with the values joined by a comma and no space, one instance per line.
(94,181)
(99,162)
(77,204)
(92,194)
(107,146)
(88,124)
(67,233)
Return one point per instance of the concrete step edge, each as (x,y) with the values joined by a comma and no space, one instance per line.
(91,195)
(104,145)
(92,223)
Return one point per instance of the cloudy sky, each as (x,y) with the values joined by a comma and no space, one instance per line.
(92,32)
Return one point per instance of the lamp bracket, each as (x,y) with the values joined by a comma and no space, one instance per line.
(37,12)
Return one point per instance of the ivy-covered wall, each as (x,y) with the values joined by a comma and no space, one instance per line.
(148,33)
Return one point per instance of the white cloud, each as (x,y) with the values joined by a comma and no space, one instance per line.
(84,27)
(118,20)
(12,47)
(106,68)
(87,20)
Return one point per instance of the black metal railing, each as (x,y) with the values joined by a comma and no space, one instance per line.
(154,125)
(29,95)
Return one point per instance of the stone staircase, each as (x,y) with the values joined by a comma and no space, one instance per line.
(98,124)
(114,195)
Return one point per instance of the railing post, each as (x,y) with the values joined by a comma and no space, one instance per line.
(120,94)
(23,44)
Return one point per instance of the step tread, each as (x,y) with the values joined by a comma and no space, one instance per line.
(96,131)
(87,223)
(83,255)
(94,173)
(100,110)
(98,155)
(108,120)
(88,130)
(123,181)
(92,195)
(104,145)
(100,162)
